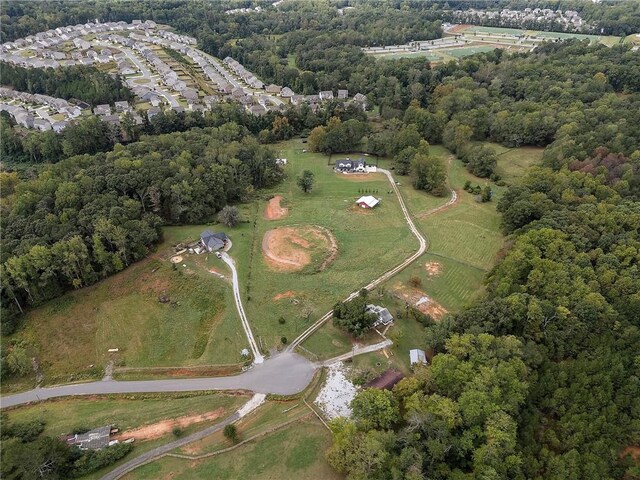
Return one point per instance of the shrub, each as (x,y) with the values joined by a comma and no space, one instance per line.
(177,431)
(282,321)
(284,340)
(231,432)
(415,281)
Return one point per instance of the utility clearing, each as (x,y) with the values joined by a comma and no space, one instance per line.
(293,248)
(274,210)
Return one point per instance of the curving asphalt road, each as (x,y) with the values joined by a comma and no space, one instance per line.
(284,374)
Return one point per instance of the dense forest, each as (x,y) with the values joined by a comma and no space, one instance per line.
(88,217)
(80,82)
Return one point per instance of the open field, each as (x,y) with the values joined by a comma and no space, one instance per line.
(513,162)
(362,236)
(500,30)
(70,335)
(296,451)
(125,412)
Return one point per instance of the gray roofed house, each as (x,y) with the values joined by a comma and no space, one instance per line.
(213,241)
(152,112)
(59,126)
(122,106)
(286,92)
(111,119)
(343,94)
(104,109)
(273,88)
(41,124)
(92,440)
(348,165)
(326,95)
(384,316)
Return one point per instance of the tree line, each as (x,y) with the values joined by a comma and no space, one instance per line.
(79,82)
(90,216)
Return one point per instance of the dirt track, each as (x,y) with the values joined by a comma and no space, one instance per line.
(274,211)
(166,426)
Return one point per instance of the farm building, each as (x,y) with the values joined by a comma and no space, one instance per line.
(417,356)
(213,241)
(367,201)
(384,316)
(386,380)
(346,165)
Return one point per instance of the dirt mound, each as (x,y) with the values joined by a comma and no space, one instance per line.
(433,268)
(419,300)
(176,259)
(274,211)
(287,294)
(159,429)
(290,249)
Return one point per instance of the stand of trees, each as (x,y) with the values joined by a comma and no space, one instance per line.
(81,82)
(352,316)
(27,454)
(88,217)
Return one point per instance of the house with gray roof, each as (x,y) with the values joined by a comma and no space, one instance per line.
(102,110)
(93,439)
(384,316)
(213,241)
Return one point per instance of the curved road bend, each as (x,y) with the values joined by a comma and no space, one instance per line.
(423,247)
(283,374)
(257,356)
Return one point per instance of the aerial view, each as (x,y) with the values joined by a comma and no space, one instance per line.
(320,239)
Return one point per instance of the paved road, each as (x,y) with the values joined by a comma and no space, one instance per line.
(257,356)
(382,278)
(151,455)
(284,374)
(358,351)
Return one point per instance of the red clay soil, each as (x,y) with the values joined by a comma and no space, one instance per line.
(413,296)
(287,294)
(433,268)
(286,250)
(274,211)
(634,451)
(159,429)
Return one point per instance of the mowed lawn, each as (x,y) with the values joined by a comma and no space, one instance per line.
(514,162)
(70,336)
(369,243)
(294,452)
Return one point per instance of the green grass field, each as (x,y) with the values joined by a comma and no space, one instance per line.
(368,245)
(294,452)
(500,30)
(513,162)
(70,335)
(466,51)
(125,412)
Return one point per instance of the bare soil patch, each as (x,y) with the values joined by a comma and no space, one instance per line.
(176,259)
(433,268)
(274,211)
(290,249)
(159,429)
(420,300)
(459,28)
(287,294)
(358,210)
(361,177)
(634,451)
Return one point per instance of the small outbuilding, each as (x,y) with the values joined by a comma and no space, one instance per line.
(417,357)
(367,201)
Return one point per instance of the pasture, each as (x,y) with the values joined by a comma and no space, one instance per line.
(196,324)
(296,451)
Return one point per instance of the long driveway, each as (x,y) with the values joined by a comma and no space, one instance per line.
(285,374)
(257,356)
(385,276)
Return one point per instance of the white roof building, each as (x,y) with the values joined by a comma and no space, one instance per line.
(417,356)
(367,201)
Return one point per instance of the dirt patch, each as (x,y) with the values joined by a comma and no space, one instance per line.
(634,451)
(176,259)
(274,211)
(361,177)
(357,209)
(287,294)
(156,430)
(290,248)
(458,29)
(419,300)
(433,268)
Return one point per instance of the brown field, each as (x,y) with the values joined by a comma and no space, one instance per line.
(433,268)
(274,211)
(290,248)
(413,296)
